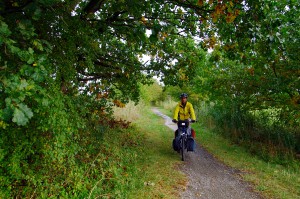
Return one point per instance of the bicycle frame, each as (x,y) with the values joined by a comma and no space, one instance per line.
(183,132)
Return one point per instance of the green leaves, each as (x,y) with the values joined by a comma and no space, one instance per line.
(22,114)
(4,30)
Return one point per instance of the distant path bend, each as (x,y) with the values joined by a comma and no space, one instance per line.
(208,178)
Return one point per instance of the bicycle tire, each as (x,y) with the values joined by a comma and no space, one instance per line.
(182,149)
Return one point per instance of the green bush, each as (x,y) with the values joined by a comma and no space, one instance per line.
(260,133)
(84,164)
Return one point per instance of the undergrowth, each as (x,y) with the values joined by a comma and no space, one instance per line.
(103,167)
(114,160)
(258,134)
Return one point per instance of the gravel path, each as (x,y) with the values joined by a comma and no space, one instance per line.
(208,178)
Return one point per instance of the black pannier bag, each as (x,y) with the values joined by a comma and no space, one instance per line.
(191,144)
(176,143)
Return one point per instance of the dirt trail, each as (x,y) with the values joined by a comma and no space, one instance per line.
(208,178)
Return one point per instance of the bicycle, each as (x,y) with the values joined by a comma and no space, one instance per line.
(183,126)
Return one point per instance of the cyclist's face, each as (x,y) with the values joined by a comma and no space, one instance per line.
(183,100)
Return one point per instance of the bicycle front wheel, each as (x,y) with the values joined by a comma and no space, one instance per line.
(182,149)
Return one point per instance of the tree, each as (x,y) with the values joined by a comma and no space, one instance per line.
(253,75)
(79,42)
(264,39)
(151,94)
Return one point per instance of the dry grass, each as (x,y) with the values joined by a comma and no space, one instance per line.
(130,112)
(168,105)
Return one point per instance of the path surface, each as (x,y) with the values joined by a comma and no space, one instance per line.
(208,178)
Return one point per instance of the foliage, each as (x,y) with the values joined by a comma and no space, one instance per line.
(266,128)
(105,165)
(94,47)
(264,55)
(151,94)
(251,79)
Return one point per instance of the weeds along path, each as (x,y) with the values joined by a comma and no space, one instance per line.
(207,177)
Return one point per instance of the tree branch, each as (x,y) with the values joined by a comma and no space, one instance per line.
(93,6)
(8,8)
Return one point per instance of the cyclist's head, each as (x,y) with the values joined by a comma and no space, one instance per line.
(183,95)
(183,98)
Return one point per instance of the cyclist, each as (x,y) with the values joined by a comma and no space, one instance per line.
(184,111)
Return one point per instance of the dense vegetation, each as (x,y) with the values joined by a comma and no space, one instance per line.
(64,64)
(251,80)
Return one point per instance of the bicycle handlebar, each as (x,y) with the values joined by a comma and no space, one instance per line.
(191,121)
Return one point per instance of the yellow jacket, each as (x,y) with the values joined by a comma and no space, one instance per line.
(184,113)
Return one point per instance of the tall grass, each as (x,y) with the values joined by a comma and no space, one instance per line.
(270,140)
(131,112)
(168,104)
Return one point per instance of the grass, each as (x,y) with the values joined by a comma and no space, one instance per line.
(130,112)
(159,162)
(168,104)
(270,179)
(138,162)
(156,165)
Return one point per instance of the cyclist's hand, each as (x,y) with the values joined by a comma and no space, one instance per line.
(175,121)
(193,121)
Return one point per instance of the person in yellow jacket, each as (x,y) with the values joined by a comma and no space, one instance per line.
(184,111)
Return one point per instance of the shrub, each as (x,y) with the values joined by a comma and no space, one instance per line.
(258,131)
